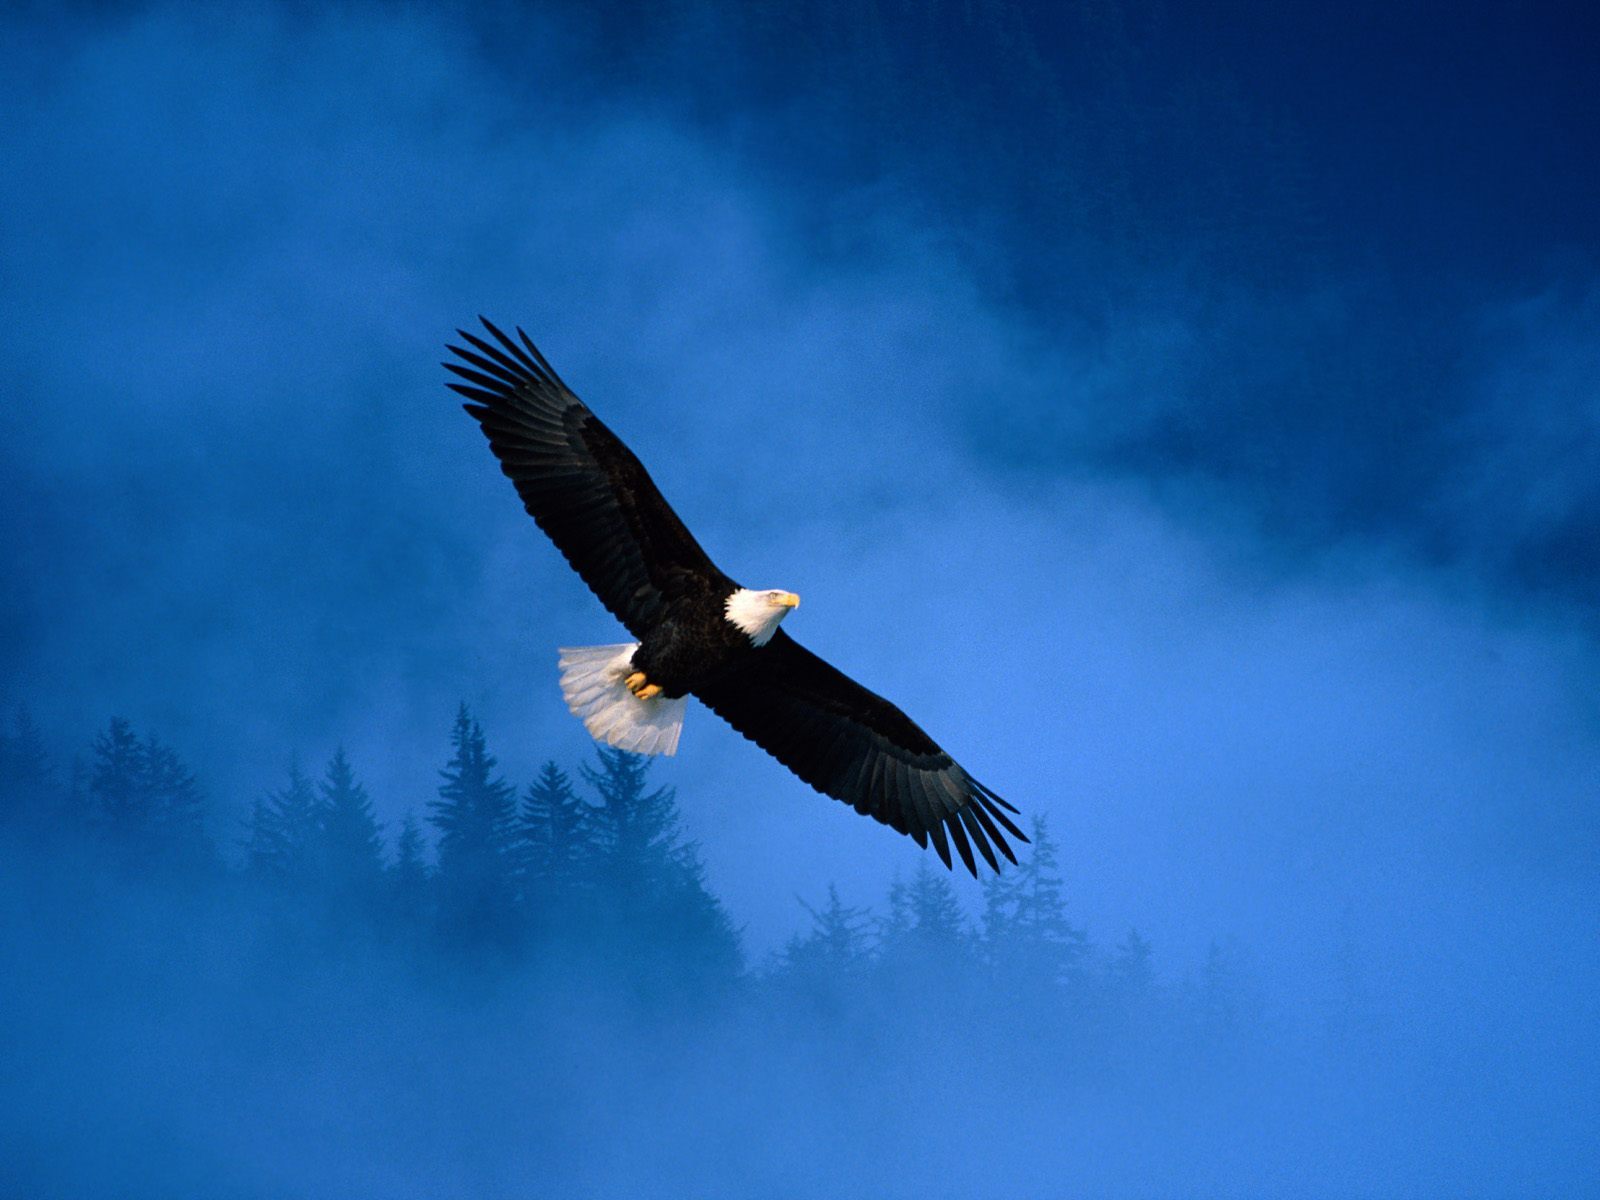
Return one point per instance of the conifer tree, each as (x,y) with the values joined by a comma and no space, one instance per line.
(553,840)
(1028,940)
(1132,973)
(178,806)
(264,849)
(653,884)
(285,831)
(937,923)
(895,927)
(690,917)
(635,830)
(408,878)
(123,804)
(925,924)
(474,816)
(925,951)
(1132,983)
(145,799)
(27,785)
(834,950)
(997,922)
(351,847)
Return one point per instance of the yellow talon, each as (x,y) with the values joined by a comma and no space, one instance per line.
(641,689)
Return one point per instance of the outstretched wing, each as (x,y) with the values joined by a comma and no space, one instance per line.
(855,746)
(578,481)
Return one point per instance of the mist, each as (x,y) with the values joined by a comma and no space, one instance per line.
(1239,525)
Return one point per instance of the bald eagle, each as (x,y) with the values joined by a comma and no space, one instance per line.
(700,633)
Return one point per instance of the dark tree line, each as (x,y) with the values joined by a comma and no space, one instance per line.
(597,875)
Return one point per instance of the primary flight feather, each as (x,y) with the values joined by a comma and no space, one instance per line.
(700,633)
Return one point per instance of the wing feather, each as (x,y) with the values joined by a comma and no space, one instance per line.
(958,835)
(987,822)
(975,832)
(584,487)
(936,832)
(855,746)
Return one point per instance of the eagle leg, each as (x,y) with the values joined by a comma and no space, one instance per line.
(637,685)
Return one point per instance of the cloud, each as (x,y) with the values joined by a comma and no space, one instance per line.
(1270,596)
(251,517)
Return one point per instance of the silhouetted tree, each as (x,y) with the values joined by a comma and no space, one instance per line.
(1132,973)
(283,842)
(145,799)
(635,830)
(925,954)
(178,805)
(652,884)
(27,784)
(1000,894)
(828,960)
(937,923)
(1131,987)
(474,816)
(925,929)
(555,852)
(124,805)
(1027,938)
(351,847)
(408,878)
(896,925)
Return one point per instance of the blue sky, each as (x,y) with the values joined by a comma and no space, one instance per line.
(1191,422)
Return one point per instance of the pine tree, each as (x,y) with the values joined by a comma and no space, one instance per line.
(27,784)
(635,830)
(691,924)
(1131,971)
(835,948)
(937,923)
(1028,940)
(123,804)
(1132,983)
(895,927)
(553,838)
(178,806)
(351,847)
(925,954)
(653,885)
(285,831)
(408,878)
(997,924)
(264,848)
(474,816)
(146,801)
(926,929)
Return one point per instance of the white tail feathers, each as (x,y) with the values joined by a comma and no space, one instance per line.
(593,680)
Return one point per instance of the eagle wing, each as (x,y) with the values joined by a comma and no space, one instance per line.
(855,746)
(584,487)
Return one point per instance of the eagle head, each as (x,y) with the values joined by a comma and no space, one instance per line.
(757,613)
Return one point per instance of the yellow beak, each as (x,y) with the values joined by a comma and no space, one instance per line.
(787,600)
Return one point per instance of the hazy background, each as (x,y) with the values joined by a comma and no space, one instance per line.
(1190,416)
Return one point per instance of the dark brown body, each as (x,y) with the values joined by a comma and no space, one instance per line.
(693,644)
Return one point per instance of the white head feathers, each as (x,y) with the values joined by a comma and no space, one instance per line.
(758,613)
